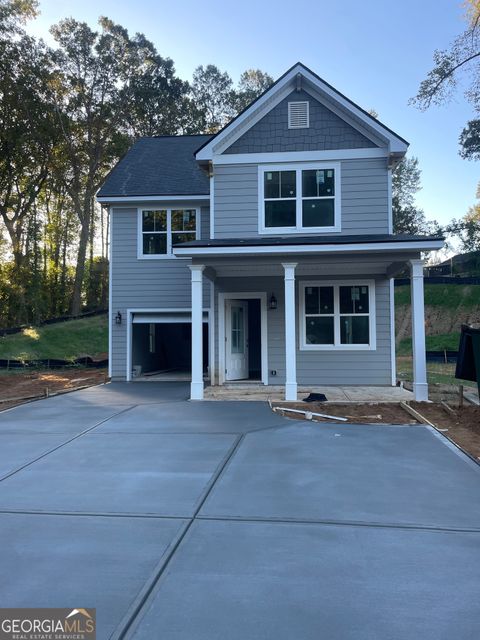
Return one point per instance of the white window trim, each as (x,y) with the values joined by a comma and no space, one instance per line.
(296,102)
(303,346)
(298,168)
(169,255)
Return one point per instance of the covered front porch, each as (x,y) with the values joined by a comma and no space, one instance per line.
(322,319)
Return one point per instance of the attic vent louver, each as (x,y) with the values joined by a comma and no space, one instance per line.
(298,115)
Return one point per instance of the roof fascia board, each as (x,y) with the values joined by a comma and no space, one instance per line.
(298,156)
(247,119)
(396,143)
(160,198)
(374,136)
(428,245)
(280,87)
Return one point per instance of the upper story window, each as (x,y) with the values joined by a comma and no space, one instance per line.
(304,198)
(337,315)
(160,229)
(299,115)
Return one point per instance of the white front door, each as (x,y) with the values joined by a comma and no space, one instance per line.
(236,340)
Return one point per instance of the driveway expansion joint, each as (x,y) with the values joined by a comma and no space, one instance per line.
(75,437)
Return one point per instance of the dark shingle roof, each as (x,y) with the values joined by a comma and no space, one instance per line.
(267,241)
(158,166)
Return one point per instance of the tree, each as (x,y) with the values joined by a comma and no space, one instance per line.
(212,93)
(450,66)
(27,134)
(407,217)
(159,102)
(467,229)
(252,83)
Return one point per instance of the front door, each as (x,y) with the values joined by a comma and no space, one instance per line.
(236,340)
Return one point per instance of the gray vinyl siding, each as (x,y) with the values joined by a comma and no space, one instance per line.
(144,284)
(364,198)
(326,131)
(314,368)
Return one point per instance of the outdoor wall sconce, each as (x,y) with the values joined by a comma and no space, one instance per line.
(118,318)
(273,302)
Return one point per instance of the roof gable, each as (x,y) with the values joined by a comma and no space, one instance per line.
(326,131)
(300,77)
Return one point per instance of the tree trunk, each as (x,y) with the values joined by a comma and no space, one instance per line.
(80,267)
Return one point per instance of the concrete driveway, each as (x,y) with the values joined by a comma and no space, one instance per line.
(220,520)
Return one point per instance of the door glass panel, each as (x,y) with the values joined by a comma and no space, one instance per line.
(238,331)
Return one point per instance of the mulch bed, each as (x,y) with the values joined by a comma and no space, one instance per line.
(20,386)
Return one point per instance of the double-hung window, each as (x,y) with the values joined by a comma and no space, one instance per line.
(301,198)
(337,315)
(160,229)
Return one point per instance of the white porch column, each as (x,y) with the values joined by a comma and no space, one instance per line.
(420,386)
(290,334)
(196,387)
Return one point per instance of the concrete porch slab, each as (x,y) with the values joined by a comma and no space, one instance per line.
(348,473)
(60,561)
(276,393)
(164,475)
(241,580)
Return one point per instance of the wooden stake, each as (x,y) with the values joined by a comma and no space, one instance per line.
(416,414)
(460,395)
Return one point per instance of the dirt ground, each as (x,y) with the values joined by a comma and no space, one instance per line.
(20,386)
(462,426)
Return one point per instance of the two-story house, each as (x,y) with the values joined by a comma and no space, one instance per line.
(264,252)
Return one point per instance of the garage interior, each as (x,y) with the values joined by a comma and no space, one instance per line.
(162,347)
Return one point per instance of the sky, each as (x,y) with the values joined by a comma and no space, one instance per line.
(376,52)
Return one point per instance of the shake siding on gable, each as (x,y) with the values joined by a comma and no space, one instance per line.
(364,198)
(147,284)
(326,131)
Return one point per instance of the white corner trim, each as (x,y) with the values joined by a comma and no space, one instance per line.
(337,346)
(212,207)
(428,245)
(243,295)
(170,255)
(110,290)
(389,201)
(392,333)
(159,198)
(298,156)
(298,168)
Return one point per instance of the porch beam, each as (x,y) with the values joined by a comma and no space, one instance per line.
(196,386)
(290,333)
(420,386)
(395,268)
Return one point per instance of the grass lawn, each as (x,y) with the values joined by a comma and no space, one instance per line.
(64,340)
(437,372)
(448,295)
(448,341)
